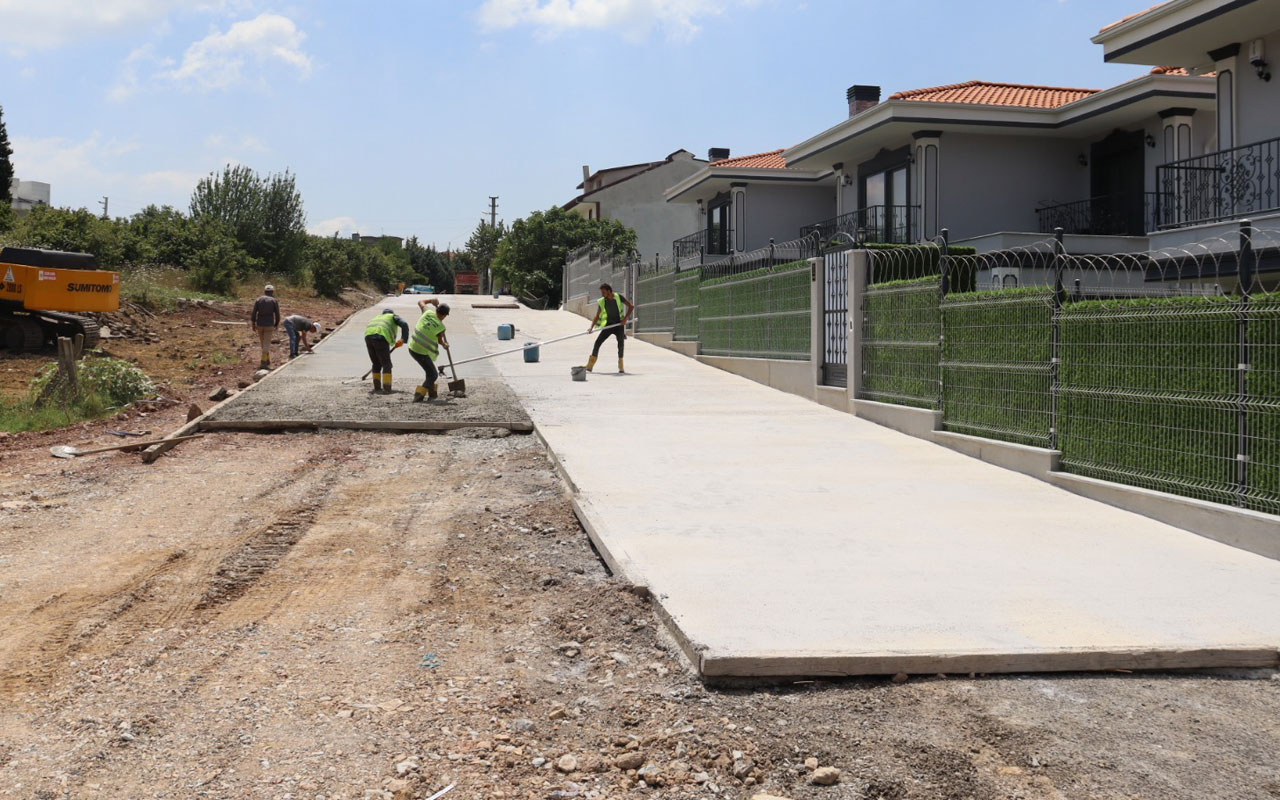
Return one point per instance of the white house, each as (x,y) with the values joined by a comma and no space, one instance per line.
(633,195)
(27,195)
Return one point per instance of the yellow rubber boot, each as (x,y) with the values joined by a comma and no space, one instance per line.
(386,383)
(419,394)
(265,361)
(620,369)
(591,362)
(433,391)
(377,381)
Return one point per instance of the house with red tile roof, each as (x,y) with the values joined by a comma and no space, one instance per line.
(997,163)
(743,202)
(1237,174)
(633,195)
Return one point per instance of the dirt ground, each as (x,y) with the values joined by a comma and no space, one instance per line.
(488,399)
(358,615)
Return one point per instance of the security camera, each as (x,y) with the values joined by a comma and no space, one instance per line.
(1257,59)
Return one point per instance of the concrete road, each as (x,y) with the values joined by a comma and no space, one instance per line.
(784,538)
(780,537)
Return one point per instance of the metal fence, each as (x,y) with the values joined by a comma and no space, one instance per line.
(772,255)
(685,310)
(656,301)
(997,346)
(762,314)
(586,268)
(902,326)
(1157,369)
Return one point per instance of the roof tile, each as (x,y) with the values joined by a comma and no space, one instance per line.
(987,93)
(770,160)
(1135,15)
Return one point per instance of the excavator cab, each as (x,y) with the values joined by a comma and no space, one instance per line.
(44,292)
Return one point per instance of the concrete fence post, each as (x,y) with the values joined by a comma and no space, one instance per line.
(857,285)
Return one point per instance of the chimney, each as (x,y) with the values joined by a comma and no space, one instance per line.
(861,98)
(586,173)
(717,154)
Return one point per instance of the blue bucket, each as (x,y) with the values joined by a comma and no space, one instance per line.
(531,352)
(506,331)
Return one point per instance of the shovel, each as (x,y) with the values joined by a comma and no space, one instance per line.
(67,451)
(458,386)
(362,377)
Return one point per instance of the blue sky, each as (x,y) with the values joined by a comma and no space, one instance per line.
(403,117)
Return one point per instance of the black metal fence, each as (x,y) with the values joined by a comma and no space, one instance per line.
(1157,369)
(1106,215)
(879,224)
(1222,185)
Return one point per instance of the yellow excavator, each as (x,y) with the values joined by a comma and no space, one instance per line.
(44,292)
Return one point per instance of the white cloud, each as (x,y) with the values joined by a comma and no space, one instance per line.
(41,24)
(81,171)
(218,60)
(171,181)
(27,73)
(343,226)
(127,80)
(677,18)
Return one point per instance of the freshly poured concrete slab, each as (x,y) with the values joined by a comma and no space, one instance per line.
(782,538)
(324,387)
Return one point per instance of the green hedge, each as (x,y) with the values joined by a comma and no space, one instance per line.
(901,323)
(1263,383)
(996,378)
(655,301)
(1148,393)
(686,308)
(759,314)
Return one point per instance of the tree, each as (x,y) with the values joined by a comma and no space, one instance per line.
(531,256)
(429,263)
(6,164)
(284,224)
(483,245)
(264,214)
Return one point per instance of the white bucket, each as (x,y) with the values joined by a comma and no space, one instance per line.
(579,373)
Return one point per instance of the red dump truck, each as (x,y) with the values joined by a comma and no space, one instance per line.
(466,282)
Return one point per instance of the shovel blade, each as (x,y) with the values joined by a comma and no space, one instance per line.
(64,451)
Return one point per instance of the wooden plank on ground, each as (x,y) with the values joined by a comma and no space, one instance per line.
(404,426)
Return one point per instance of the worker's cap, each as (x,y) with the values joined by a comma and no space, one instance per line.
(268,288)
(315,326)
(387,311)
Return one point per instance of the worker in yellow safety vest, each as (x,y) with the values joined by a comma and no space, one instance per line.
(379,338)
(425,343)
(611,317)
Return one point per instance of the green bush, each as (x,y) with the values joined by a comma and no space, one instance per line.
(106,385)
(1148,393)
(759,314)
(1263,384)
(686,310)
(900,347)
(655,301)
(996,353)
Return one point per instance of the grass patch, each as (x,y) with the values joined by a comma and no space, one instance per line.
(107,385)
(159,288)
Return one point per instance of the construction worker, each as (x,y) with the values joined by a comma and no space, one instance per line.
(428,337)
(264,319)
(610,316)
(380,338)
(299,327)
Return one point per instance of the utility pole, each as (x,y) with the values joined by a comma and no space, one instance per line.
(493,223)
(103,202)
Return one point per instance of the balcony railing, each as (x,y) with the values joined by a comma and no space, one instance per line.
(700,243)
(1131,214)
(1219,186)
(885,224)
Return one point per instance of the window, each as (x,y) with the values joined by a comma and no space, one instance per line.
(718,225)
(886,197)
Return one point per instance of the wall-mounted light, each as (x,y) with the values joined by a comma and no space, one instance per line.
(847,180)
(1082,161)
(1151,141)
(1257,59)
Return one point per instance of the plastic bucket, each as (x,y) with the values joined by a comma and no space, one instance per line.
(578,373)
(531,352)
(506,331)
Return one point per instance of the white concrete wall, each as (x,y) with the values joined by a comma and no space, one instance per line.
(1258,101)
(28,194)
(639,203)
(779,212)
(996,183)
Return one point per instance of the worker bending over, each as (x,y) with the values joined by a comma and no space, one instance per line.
(609,313)
(380,338)
(428,337)
(299,328)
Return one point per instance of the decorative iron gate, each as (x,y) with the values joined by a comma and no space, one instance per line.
(835,318)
